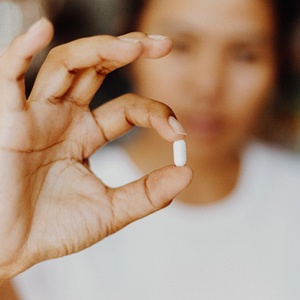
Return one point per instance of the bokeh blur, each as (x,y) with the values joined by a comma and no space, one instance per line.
(76,18)
(72,19)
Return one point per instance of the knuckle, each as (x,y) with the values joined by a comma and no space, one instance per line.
(102,70)
(60,55)
(148,193)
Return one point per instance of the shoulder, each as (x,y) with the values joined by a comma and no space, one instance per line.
(275,168)
(275,157)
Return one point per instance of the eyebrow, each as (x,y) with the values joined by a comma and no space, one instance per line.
(246,36)
(256,40)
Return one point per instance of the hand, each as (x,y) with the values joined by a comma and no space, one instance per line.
(51,204)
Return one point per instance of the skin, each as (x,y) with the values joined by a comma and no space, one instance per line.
(7,291)
(51,204)
(217,79)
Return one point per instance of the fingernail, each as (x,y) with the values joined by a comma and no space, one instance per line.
(36,25)
(129,40)
(157,37)
(176,126)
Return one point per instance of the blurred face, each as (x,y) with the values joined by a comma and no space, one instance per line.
(220,73)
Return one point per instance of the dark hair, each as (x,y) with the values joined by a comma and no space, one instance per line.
(287,16)
(132,14)
(286,13)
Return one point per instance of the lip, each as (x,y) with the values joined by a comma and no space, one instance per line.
(204,126)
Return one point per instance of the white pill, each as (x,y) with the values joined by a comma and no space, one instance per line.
(179,153)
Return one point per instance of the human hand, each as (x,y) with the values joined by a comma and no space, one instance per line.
(51,204)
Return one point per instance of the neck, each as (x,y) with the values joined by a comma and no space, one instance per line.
(213,179)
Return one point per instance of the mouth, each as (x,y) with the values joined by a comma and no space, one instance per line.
(204,126)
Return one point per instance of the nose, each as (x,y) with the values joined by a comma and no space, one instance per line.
(208,75)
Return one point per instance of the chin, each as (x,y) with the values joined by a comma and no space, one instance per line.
(211,149)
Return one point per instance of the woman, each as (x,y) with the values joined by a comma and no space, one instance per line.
(233,234)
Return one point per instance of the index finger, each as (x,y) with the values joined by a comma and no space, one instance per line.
(103,54)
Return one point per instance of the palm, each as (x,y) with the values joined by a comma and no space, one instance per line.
(60,186)
(50,178)
(51,204)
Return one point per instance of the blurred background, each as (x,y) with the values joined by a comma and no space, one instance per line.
(72,19)
(76,18)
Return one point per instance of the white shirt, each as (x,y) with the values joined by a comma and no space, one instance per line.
(244,247)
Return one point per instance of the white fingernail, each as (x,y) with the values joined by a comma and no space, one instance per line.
(176,126)
(129,40)
(157,37)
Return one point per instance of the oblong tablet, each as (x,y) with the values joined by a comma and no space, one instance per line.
(179,153)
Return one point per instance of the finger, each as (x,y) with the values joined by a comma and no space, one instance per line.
(155,46)
(147,195)
(65,63)
(118,116)
(88,81)
(77,69)
(16,59)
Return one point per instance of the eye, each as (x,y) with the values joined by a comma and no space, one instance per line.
(182,47)
(245,55)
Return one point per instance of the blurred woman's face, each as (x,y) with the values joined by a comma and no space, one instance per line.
(220,73)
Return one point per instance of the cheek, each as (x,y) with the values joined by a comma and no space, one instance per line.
(248,95)
(256,83)
(250,91)
(157,80)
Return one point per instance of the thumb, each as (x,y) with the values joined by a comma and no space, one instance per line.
(148,194)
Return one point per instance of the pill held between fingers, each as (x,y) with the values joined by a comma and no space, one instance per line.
(179,153)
